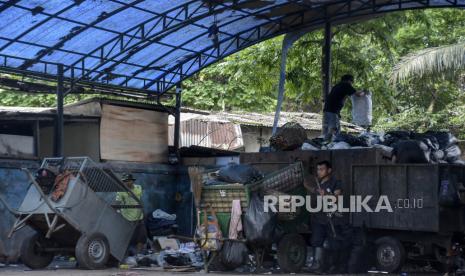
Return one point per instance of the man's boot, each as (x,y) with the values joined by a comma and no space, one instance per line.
(317,264)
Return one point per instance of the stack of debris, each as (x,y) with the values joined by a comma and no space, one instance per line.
(165,253)
(402,146)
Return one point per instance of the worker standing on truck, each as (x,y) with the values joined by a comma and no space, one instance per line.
(326,226)
(334,103)
(139,237)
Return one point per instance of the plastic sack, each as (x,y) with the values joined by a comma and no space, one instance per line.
(234,254)
(362,109)
(353,141)
(445,139)
(308,146)
(411,151)
(239,173)
(339,145)
(210,233)
(288,137)
(371,138)
(259,226)
(392,137)
(429,140)
(160,214)
(452,153)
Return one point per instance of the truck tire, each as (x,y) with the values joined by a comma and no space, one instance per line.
(92,251)
(31,254)
(390,254)
(292,253)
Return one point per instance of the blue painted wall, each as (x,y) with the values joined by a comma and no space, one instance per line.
(13,186)
(160,183)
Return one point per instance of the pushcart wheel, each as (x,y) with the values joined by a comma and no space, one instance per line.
(390,254)
(92,251)
(32,254)
(292,253)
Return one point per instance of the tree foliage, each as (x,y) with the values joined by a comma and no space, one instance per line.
(431,61)
(369,50)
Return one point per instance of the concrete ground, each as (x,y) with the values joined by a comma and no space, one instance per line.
(141,272)
(63,267)
(19,270)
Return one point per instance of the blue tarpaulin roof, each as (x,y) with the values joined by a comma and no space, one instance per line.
(154,44)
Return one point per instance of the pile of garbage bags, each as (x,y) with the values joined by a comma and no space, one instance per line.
(402,146)
(233,174)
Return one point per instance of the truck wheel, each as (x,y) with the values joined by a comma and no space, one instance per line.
(92,251)
(292,253)
(390,254)
(32,255)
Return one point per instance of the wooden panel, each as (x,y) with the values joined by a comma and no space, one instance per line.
(130,134)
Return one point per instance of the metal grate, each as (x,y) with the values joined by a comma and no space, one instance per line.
(99,180)
(220,197)
(283,180)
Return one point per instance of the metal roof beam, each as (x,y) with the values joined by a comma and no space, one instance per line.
(131,49)
(204,33)
(73,33)
(238,39)
(355,11)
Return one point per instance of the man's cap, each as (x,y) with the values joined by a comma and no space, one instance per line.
(127,177)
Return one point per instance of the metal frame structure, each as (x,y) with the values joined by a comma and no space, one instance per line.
(82,45)
(264,21)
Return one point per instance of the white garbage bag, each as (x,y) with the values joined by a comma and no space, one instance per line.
(160,214)
(362,108)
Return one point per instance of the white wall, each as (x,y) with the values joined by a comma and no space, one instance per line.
(16,145)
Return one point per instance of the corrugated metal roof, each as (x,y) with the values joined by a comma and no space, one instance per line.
(8,110)
(212,134)
(310,121)
(154,44)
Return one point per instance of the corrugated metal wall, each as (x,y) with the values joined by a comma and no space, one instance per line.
(220,135)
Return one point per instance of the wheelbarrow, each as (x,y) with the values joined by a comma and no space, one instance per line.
(76,213)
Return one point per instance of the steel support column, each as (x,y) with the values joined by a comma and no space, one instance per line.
(326,65)
(327,60)
(288,41)
(36,134)
(177,117)
(59,122)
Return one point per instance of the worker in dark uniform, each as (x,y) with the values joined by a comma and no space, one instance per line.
(326,226)
(136,215)
(334,103)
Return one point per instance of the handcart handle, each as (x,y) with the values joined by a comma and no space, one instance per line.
(11,210)
(122,206)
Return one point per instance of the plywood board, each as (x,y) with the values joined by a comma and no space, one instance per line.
(131,134)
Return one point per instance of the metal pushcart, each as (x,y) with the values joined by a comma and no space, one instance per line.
(77,214)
